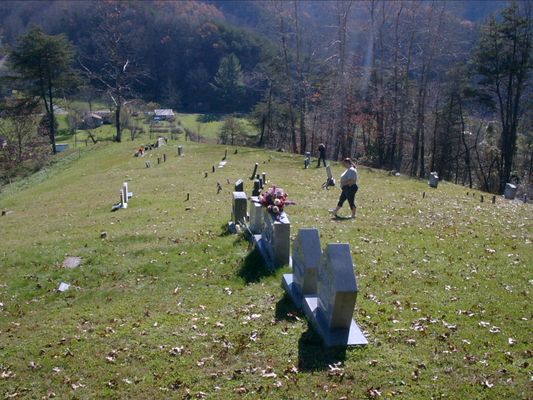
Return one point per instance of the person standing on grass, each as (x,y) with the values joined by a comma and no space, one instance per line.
(349,187)
(321,154)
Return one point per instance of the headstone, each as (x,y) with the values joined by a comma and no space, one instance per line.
(148,164)
(257,188)
(180,150)
(188,197)
(274,242)
(205,174)
(493,199)
(164,157)
(510,191)
(256,215)
(213,169)
(123,200)
(160,141)
(481,199)
(260,182)
(63,287)
(219,187)
(330,181)
(307,160)
(71,262)
(239,186)
(264,176)
(254,171)
(127,195)
(331,311)
(225,154)
(306,253)
(239,207)
(433,180)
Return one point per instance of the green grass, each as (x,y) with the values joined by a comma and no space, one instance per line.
(209,129)
(170,306)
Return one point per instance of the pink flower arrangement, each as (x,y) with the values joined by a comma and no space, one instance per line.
(275,200)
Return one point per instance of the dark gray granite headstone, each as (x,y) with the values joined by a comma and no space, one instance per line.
(306,254)
(239,186)
(239,207)
(330,312)
(433,180)
(256,215)
(510,191)
(254,171)
(257,188)
(337,291)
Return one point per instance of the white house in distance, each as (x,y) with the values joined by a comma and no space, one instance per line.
(164,114)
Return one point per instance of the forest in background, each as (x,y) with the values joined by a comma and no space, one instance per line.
(407,86)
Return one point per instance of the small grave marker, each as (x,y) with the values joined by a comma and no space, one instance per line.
(493,199)
(63,287)
(330,181)
(307,160)
(148,164)
(264,175)
(433,180)
(180,151)
(257,188)
(164,157)
(510,191)
(213,169)
(254,171)
(219,187)
(239,186)
(71,262)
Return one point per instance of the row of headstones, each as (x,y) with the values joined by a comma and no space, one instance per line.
(149,163)
(509,192)
(125,196)
(324,285)
(269,234)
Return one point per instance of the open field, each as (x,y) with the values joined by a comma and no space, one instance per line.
(170,306)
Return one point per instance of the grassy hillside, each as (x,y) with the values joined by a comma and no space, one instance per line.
(170,306)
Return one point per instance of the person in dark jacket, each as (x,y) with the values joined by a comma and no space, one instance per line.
(321,154)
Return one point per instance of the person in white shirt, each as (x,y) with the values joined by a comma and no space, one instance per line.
(349,187)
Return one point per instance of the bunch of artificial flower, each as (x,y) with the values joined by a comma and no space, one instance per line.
(275,200)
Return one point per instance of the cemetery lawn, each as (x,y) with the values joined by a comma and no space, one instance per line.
(166,304)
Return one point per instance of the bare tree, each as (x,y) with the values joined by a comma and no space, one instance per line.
(116,69)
